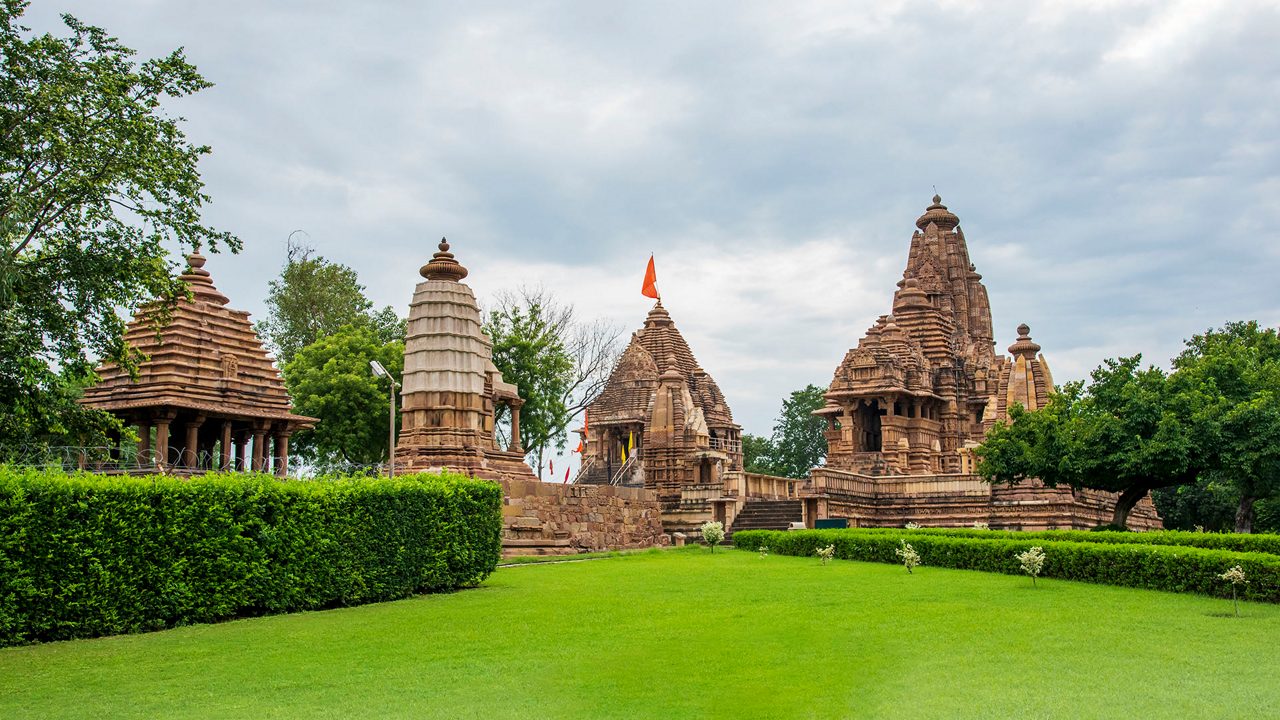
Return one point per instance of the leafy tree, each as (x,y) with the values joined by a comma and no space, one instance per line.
(313,298)
(330,380)
(757,454)
(530,352)
(1128,432)
(95,180)
(798,443)
(558,362)
(799,436)
(1237,370)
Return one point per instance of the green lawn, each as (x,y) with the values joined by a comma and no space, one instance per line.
(688,634)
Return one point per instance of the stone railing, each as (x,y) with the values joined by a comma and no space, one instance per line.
(769,487)
(731,446)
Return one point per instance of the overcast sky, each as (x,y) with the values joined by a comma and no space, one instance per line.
(1115,166)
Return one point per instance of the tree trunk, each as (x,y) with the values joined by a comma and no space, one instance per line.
(1244,515)
(1125,503)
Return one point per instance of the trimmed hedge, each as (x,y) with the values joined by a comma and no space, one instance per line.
(1215,541)
(88,555)
(1155,567)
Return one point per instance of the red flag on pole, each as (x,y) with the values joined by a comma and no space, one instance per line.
(586,426)
(551,466)
(650,286)
(566,476)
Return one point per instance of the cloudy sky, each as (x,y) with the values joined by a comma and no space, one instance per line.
(1111,162)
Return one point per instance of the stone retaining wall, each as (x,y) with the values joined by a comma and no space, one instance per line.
(553,519)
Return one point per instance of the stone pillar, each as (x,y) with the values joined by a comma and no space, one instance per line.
(144,442)
(514,404)
(281,454)
(189,456)
(224,462)
(162,440)
(259,456)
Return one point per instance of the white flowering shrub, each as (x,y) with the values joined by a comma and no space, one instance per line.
(764,551)
(825,554)
(910,558)
(979,525)
(913,526)
(713,534)
(1236,577)
(1032,562)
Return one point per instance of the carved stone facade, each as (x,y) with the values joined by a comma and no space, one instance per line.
(552,519)
(662,423)
(207,390)
(919,392)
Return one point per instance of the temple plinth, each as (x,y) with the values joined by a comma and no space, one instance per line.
(207,396)
(451,388)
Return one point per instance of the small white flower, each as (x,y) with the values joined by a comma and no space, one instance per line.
(979,525)
(913,526)
(910,558)
(827,553)
(1032,562)
(1235,576)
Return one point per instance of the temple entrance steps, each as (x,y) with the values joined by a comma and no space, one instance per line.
(594,474)
(767,515)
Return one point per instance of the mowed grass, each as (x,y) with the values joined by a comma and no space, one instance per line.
(688,634)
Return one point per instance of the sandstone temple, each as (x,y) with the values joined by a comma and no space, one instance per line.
(207,397)
(910,402)
(662,423)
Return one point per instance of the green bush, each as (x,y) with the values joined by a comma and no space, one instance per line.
(1215,541)
(88,555)
(1157,567)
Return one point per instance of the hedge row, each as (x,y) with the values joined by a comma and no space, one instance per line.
(1155,567)
(1216,541)
(84,555)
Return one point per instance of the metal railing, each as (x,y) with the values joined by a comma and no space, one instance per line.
(627,467)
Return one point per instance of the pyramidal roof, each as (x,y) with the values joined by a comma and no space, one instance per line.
(655,349)
(207,358)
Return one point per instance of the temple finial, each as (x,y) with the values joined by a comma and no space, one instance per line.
(443,266)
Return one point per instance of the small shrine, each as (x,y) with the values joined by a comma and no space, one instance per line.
(451,388)
(208,396)
(662,423)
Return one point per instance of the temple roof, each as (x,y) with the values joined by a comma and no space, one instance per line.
(657,348)
(445,349)
(207,358)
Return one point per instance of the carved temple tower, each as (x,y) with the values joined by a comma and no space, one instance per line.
(451,386)
(661,403)
(912,394)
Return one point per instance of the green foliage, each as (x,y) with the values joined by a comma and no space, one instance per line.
(1130,431)
(85,555)
(330,379)
(314,298)
(799,441)
(1174,568)
(95,181)
(1237,371)
(757,454)
(530,350)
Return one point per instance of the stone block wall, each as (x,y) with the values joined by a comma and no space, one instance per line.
(553,519)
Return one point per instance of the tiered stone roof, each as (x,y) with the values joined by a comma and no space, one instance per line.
(206,359)
(629,387)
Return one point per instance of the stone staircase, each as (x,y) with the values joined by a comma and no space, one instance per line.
(767,515)
(594,474)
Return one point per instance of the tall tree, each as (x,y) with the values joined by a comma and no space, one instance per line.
(558,362)
(1237,369)
(799,437)
(757,454)
(798,443)
(313,298)
(1128,432)
(330,380)
(95,180)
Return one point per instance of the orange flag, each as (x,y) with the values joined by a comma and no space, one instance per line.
(650,287)
(586,426)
